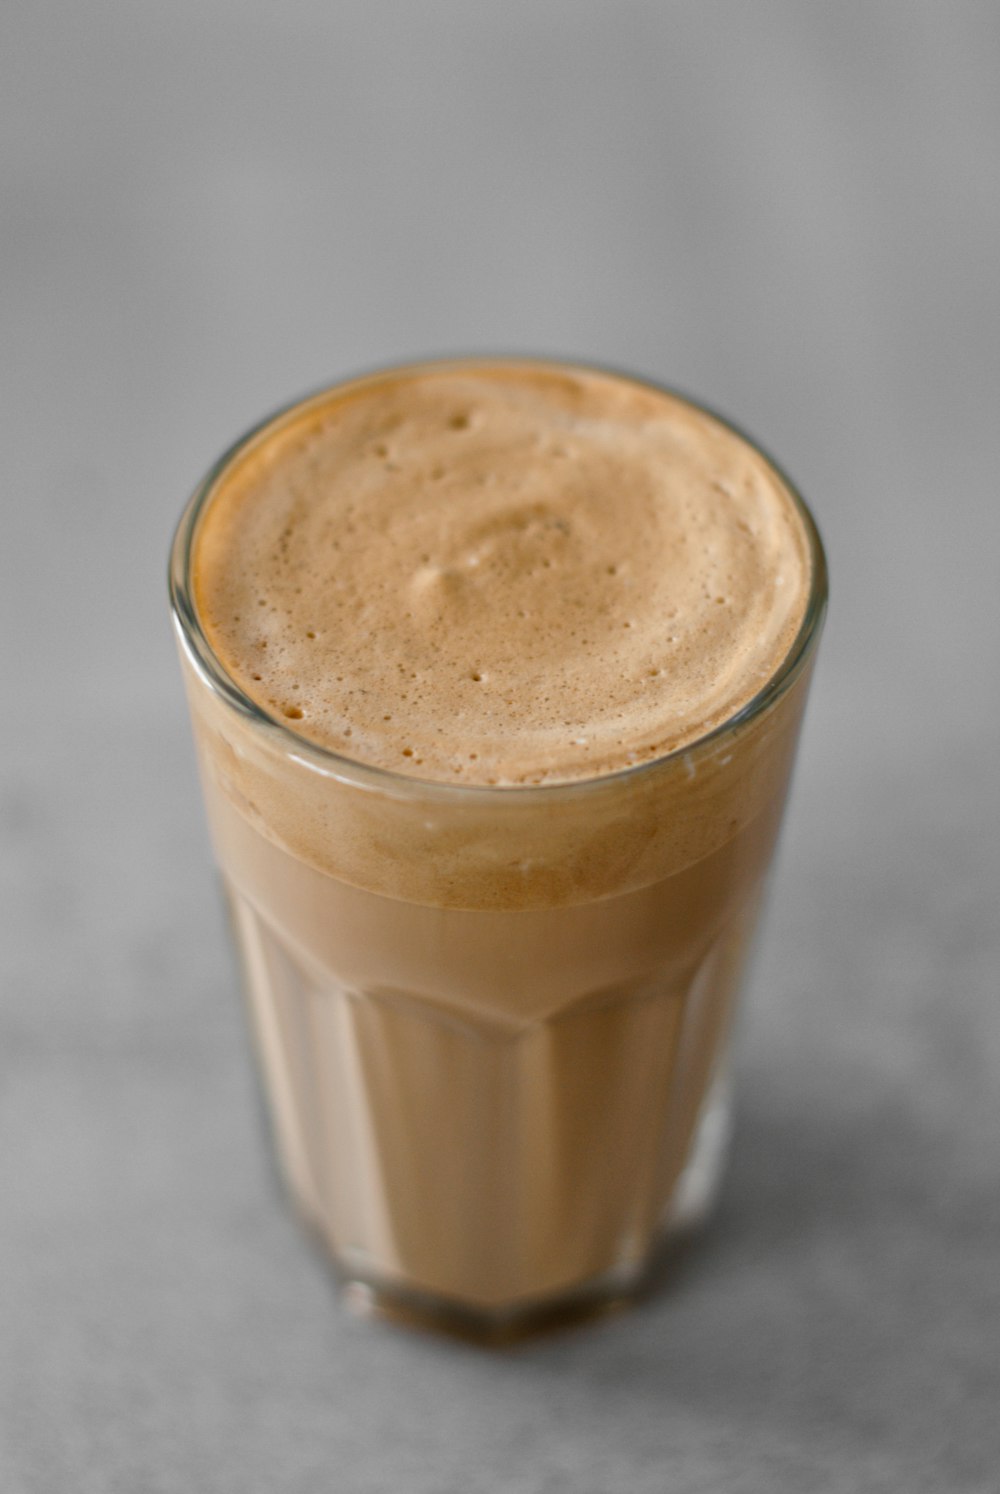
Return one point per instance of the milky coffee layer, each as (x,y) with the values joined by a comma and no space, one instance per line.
(501,572)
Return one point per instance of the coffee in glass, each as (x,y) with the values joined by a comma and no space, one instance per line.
(496,669)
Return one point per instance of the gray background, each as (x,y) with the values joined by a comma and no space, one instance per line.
(791,210)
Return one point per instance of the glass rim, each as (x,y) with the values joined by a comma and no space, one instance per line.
(325,760)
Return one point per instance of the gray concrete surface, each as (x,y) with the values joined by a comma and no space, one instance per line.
(791,210)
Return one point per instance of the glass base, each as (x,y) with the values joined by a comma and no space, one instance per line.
(369,1294)
(546,1183)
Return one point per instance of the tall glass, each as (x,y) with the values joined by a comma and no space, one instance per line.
(492,1022)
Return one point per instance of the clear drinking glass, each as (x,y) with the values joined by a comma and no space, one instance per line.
(492,1023)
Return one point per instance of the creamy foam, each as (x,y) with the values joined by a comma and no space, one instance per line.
(501,572)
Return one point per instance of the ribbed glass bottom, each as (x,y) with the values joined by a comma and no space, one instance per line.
(486,1178)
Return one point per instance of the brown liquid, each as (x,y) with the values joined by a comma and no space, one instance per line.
(490,1021)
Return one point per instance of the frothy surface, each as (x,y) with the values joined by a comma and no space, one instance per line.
(501,572)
